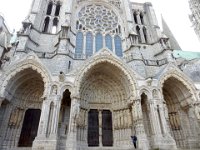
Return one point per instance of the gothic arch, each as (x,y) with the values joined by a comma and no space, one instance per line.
(20,67)
(66,86)
(172,72)
(104,83)
(179,97)
(146,91)
(105,56)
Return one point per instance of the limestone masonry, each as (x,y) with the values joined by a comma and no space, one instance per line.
(89,74)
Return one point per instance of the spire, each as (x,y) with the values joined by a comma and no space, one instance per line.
(166,30)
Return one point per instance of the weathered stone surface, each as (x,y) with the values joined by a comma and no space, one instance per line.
(77,84)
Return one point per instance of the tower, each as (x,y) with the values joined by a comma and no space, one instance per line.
(89,74)
(194,17)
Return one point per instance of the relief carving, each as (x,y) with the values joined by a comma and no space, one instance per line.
(15,117)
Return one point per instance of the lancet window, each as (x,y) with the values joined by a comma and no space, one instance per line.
(53,11)
(102,30)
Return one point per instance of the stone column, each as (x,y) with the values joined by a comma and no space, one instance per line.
(139,126)
(154,118)
(165,136)
(55,118)
(71,143)
(193,140)
(42,141)
(138,17)
(53,9)
(165,126)
(41,138)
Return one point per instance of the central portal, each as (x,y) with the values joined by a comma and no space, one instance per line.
(100,130)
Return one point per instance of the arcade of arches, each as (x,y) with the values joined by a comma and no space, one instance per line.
(103,116)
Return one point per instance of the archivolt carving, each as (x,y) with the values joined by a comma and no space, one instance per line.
(104,56)
(155,93)
(54,90)
(197,111)
(102,89)
(176,73)
(19,67)
(15,117)
(145,91)
(81,120)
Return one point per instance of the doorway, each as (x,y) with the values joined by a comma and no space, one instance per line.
(100,128)
(29,127)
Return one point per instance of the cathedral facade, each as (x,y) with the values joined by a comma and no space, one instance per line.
(89,74)
(195,16)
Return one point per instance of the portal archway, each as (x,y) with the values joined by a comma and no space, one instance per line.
(105,93)
(24,93)
(178,98)
(64,118)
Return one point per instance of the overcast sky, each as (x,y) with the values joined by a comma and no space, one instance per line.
(175,13)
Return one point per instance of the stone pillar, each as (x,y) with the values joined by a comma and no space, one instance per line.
(154,119)
(71,143)
(139,126)
(165,128)
(193,140)
(55,120)
(165,136)
(138,17)
(42,141)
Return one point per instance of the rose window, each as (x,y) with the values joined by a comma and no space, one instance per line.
(98,18)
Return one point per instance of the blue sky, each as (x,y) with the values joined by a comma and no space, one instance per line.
(175,13)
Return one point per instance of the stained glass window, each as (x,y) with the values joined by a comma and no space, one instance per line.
(79,43)
(108,39)
(99,41)
(89,44)
(118,46)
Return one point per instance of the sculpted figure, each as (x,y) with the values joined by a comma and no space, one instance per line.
(54,90)
(76,110)
(155,93)
(197,111)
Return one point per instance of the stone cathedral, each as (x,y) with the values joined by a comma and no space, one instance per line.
(89,74)
(195,16)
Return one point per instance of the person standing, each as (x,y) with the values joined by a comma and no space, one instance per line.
(134,140)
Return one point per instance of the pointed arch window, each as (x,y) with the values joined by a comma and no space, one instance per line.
(135,18)
(142,18)
(55,25)
(108,39)
(46,24)
(57,12)
(99,41)
(139,35)
(49,8)
(79,43)
(118,46)
(89,44)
